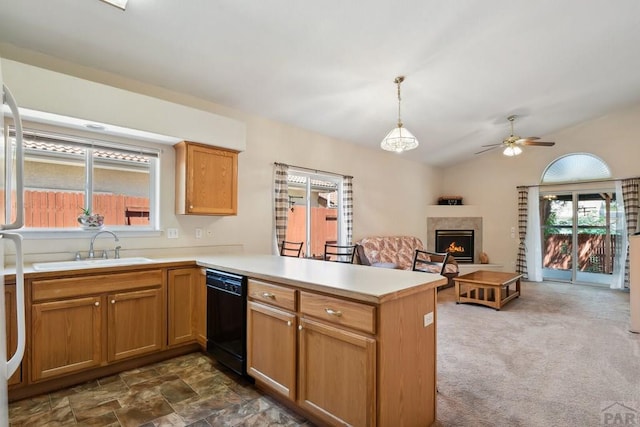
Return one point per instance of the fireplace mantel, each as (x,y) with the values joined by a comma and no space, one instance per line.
(454,211)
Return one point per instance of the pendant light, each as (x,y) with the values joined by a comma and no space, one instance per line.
(399,139)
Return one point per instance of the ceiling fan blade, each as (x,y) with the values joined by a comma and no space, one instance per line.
(539,143)
(493,145)
(488,149)
(528,138)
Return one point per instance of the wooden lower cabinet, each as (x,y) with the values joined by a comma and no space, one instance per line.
(84,322)
(66,336)
(337,374)
(324,368)
(142,309)
(183,290)
(348,362)
(10,310)
(271,347)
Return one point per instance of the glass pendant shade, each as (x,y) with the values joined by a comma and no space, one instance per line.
(512,150)
(399,140)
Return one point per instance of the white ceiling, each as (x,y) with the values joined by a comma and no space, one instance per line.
(329,66)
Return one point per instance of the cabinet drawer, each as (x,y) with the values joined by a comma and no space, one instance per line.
(78,286)
(273,294)
(350,314)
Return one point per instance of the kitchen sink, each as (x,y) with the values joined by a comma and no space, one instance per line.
(89,263)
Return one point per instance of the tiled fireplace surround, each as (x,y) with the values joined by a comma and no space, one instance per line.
(456,223)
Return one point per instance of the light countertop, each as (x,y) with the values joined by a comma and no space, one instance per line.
(360,282)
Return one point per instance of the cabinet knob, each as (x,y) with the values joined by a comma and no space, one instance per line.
(113,301)
(299,327)
(288,322)
(268,295)
(331,312)
(97,303)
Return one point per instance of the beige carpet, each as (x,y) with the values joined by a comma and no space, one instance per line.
(560,355)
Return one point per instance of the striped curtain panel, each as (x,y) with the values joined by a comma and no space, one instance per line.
(523,208)
(281,204)
(630,199)
(347,208)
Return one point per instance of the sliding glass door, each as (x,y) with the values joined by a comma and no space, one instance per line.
(314,209)
(579,236)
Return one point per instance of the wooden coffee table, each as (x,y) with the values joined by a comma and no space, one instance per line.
(490,288)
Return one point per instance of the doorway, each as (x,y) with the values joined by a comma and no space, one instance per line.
(579,236)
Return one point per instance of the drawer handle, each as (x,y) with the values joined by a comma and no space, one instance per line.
(97,303)
(331,312)
(268,295)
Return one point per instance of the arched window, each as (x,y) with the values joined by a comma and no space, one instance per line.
(575,167)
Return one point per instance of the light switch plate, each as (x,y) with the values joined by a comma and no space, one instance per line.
(172,233)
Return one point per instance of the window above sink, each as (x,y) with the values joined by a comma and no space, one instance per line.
(68,171)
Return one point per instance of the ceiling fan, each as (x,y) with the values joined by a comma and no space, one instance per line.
(512,143)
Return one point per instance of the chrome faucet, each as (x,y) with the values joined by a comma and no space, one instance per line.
(93,239)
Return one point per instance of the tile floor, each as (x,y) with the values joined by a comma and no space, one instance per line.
(191,390)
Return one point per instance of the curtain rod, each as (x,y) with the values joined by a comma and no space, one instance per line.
(595,181)
(312,170)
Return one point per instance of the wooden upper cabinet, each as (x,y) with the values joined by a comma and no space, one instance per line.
(206,180)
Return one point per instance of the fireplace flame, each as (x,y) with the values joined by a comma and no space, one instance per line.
(453,248)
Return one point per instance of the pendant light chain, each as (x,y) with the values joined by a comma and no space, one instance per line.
(398,81)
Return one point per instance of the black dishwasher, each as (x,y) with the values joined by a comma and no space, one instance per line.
(227,319)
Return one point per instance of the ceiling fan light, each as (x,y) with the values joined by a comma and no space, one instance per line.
(399,140)
(512,150)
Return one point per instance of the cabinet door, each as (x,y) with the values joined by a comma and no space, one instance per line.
(337,376)
(212,181)
(134,323)
(201,309)
(182,301)
(271,347)
(66,336)
(12,329)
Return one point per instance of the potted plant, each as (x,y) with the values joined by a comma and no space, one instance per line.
(90,221)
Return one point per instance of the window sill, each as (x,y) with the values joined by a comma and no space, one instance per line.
(76,233)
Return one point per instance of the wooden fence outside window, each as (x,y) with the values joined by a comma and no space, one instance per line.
(58,209)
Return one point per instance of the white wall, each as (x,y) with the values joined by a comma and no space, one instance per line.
(490,180)
(391,193)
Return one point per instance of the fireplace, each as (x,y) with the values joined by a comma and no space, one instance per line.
(458,243)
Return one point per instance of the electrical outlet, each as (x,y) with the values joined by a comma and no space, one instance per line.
(172,233)
(198,233)
(428,319)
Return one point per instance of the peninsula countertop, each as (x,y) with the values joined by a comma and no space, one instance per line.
(358,282)
(364,283)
